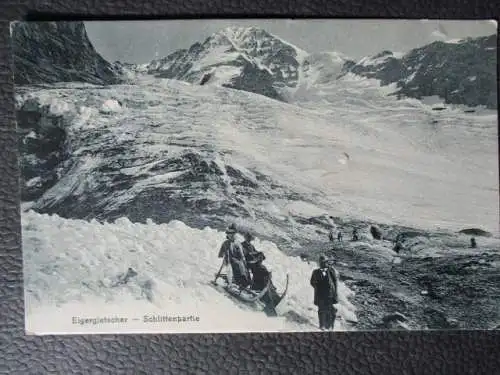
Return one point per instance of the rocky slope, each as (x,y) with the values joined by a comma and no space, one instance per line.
(107,153)
(436,281)
(47,52)
(459,72)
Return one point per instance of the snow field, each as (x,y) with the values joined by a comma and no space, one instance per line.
(74,266)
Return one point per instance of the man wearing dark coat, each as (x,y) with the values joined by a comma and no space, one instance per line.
(254,259)
(248,248)
(330,236)
(324,280)
(233,254)
(473,243)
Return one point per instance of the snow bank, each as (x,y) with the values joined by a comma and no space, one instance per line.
(111,106)
(73,270)
(60,107)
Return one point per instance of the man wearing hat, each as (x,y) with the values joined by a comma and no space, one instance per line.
(325,284)
(261,277)
(233,254)
(254,259)
(251,253)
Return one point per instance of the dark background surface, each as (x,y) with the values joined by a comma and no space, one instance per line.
(330,353)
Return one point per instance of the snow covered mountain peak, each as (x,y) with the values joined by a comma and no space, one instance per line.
(255,41)
(252,59)
(379,58)
(238,34)
(244,58)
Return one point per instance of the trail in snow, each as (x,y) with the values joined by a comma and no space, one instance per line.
(71,268)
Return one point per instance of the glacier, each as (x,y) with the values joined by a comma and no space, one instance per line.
(400,166)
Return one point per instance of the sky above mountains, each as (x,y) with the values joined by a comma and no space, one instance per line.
(141,41)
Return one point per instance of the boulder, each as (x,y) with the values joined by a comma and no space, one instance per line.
(395,321)
(452,323)
(397,316)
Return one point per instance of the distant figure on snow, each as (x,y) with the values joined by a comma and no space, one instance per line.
(397,247)
(355,236)
(339,236)
(324,280)
(233,255)
(330,236)
(473,243)
(376,232)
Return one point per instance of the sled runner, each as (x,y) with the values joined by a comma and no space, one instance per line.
(277,302)
(272,299)
(243,294)
(261,299)
(247,296)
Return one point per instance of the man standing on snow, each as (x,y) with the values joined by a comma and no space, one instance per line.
(325,284)
(233,254)
(473,243)
(330,236)
(355,235)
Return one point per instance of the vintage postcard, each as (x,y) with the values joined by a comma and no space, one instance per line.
(258,175)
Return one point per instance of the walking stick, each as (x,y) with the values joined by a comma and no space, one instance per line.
(217,275)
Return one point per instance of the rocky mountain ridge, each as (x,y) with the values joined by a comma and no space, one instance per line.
(459,72)
(251,59)
(48,52)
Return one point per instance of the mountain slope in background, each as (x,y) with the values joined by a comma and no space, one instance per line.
(459,72)
(250,59)
(47,52)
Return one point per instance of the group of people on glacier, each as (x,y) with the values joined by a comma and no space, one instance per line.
(245,260)
(248,271)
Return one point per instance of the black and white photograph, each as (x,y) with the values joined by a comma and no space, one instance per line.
(258,175)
